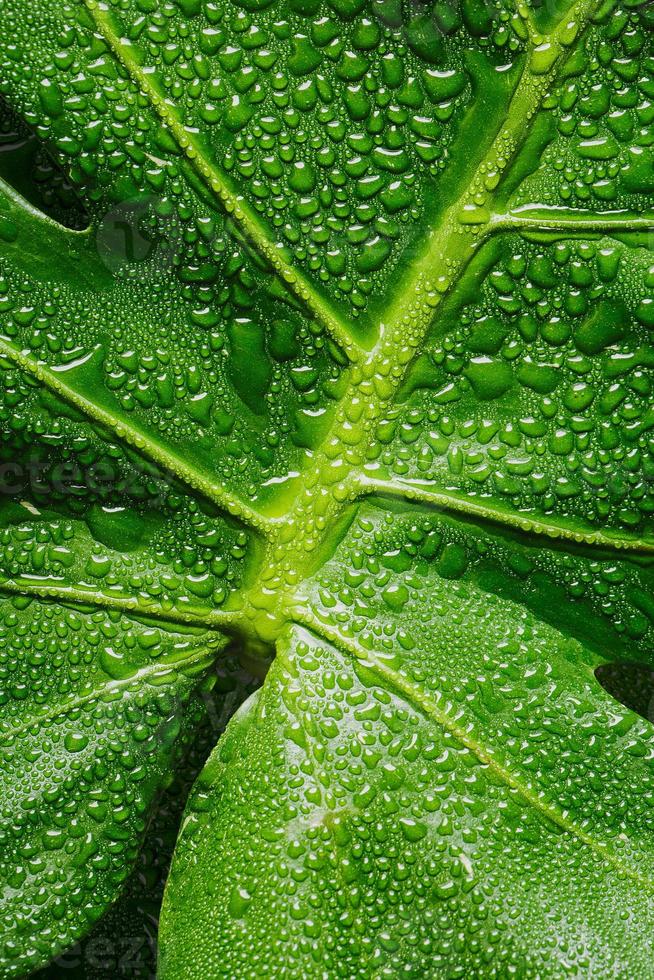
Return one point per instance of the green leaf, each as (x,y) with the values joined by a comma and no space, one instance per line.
(431,782)
(326,326)
(95,706)
(124,943)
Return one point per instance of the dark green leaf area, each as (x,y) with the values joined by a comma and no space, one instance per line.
(123,944)
(111,702)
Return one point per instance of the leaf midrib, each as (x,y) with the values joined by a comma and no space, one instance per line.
(372,384)
(445,239)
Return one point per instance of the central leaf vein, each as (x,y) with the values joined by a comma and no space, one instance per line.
(374,376)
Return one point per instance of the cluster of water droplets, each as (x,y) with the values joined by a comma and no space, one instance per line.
(602,156)
(540,390)
(108,716)
(393,790)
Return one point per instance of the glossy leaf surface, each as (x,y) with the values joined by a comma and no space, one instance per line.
(334,336)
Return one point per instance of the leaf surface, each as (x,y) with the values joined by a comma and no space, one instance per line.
(432,781)
(123,944)
(327,327)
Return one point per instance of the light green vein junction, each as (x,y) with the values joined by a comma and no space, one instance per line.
(448,249)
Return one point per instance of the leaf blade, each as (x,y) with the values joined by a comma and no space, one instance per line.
(203,350)
(82,764)
(286,864)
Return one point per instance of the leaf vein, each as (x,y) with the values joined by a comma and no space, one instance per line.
(218,184)
(136,438)
(485,509)
(433,712)
(110,688)
(81,595)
